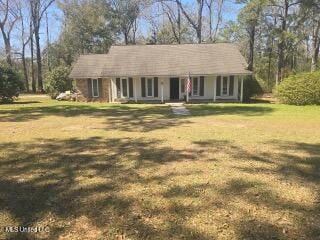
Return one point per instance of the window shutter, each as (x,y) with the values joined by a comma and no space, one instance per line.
(231,84)
(100,87)
(155,85)
(143,87)
(201,85)
(218,84)
(118,88)
(89,87)
(130,87)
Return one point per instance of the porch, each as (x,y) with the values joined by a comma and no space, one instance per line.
(153,89)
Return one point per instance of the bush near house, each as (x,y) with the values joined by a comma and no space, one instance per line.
(57,81)
(10,84)
(300,89)
(251,88)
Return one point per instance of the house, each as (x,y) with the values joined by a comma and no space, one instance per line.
(159,73)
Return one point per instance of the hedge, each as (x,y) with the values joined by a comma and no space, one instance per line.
(300,89)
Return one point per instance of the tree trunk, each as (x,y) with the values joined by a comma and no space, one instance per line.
(125,37)
(281,45)
(209,4)
(199,25)
(179,25)
(315,48)
(33,81)
(39,66)
(25,73)
(252,32)
(7,46)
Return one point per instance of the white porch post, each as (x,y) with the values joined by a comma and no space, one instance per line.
(162,91)
(110,89)
(215,89)
(241,96)
(135,90)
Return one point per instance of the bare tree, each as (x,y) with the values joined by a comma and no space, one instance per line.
(126,14)
(38,8)
(7,22)
(174,19)
(25,39)
(196,24)
(33,80)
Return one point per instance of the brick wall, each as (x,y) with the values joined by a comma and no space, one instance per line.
(82,87)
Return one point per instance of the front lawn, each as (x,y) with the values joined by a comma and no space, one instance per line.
(112,171)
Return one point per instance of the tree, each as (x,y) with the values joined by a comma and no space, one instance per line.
(58,81)
(8,19)
(196,24)
(38,8)
(25,39)
(249,18)
(10,83)
(174,16)
(311,9)
(210,5)
(284,14)
(125,15)
(88,27)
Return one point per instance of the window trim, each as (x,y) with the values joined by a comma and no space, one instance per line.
(198,89)
(228,83)
(121,87)
(146,87)
(182,81)
(92,91)
(228,86)
(127,80)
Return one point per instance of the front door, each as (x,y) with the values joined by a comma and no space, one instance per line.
(174,88)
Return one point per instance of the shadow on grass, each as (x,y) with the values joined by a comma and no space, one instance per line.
(229,109)
(105,182)
(20,103)
(128,117)
(52,179)
(295,163)
(121,117)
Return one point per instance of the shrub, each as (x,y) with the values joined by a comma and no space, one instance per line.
(57,81)
(251,87)
(10,84)
(300,89)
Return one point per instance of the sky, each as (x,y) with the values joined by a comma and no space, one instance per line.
(230,12)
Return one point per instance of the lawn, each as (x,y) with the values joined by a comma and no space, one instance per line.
(108,171)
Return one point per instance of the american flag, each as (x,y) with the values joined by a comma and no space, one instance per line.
(189,84)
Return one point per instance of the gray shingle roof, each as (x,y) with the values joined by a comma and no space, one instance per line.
(162,60)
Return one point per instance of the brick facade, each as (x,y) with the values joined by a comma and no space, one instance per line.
(83,96)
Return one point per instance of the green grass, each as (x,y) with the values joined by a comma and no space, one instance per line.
(106,171)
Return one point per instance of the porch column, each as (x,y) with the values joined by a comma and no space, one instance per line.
(135,90)
(214,89)
(241,96)
(161,91)
(110,90)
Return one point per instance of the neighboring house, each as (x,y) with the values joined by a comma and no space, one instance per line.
(160,72)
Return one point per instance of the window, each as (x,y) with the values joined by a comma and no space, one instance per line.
(124,87)
(95,88)
(149,87)
(225,84)
(195,86)
(182,85)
